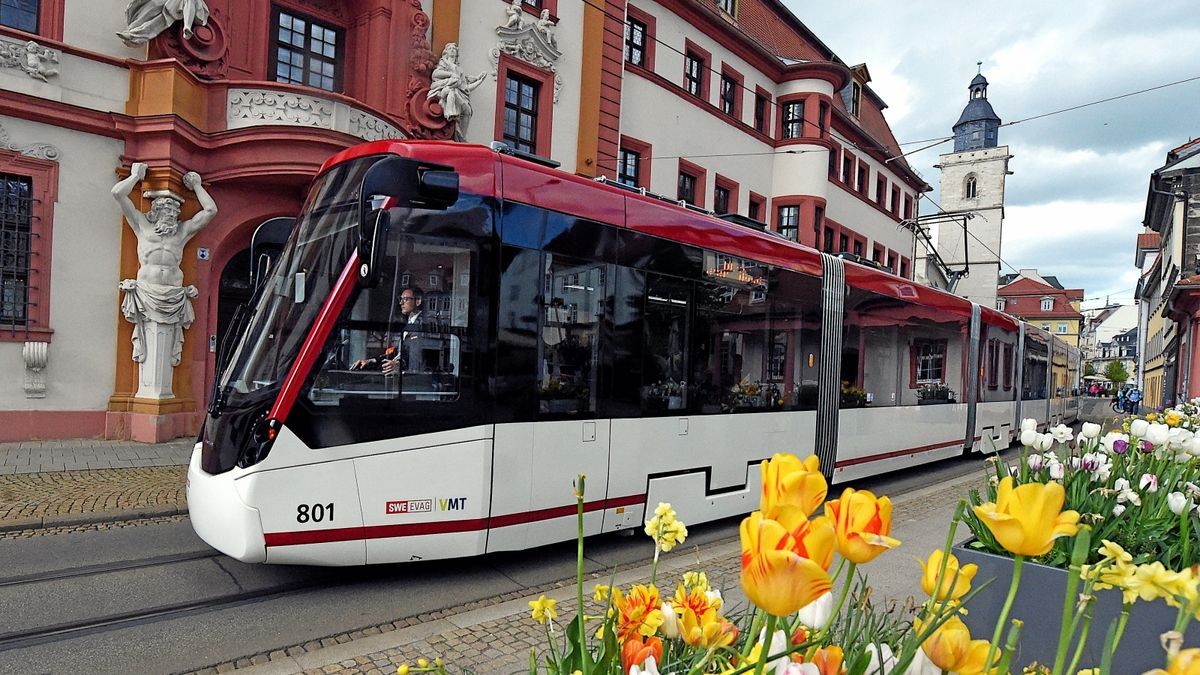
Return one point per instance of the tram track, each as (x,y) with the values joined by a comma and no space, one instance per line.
(105,568)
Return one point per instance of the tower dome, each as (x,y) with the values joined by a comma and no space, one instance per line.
(978,126)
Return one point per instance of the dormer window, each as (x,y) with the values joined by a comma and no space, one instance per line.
(972,188)
(1000,304)
(728,6)
(855,98)
(1047,304)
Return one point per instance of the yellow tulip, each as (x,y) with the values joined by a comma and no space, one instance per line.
(782,572)
(862,523)
(707,630)
(954,585)
(1186,662)
(951,648)
(788,480)
(1027,519)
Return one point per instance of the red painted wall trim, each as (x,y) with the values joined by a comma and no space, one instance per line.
(64,114)
(23,425)
(44,179)
(441,527)
(55,41)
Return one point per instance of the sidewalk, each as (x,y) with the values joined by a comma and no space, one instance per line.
(71,482)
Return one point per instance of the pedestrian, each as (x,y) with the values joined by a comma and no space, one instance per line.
(1134,400)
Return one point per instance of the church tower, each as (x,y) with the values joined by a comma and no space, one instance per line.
(972,186)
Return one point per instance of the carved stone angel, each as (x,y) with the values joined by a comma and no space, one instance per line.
(147,18)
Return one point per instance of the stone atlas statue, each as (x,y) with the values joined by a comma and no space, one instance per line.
(157,302)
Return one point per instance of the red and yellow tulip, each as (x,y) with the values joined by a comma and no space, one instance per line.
(785,568)
(634,651)
(788,480)
(862,523)
(1027,519)
(639,613)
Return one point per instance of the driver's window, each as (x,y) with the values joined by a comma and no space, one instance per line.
(405,338)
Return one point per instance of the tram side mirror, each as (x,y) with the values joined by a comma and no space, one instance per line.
(397,182)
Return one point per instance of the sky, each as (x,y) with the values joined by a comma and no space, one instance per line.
(1077,196)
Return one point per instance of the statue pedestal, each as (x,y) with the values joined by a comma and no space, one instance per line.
(155,373)
(150,421)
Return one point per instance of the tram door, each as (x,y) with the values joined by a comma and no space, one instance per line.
(550,316)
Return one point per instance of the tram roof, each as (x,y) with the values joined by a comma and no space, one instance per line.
(482,170)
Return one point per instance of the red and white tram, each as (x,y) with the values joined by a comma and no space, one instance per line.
(568,326)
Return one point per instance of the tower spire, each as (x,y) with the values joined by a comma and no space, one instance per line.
(978,126)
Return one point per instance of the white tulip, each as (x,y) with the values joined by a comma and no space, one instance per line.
(1056,471)
(1176,502)
(921,665)
(1029,437)
(793,668)
(1138,428)
(714,598)
(1035,462)
(1029,424)
(1112,437)
(816,613)
(1121,485)
(882,660)
(1118,509)
(647,668)
(1192,447)
(1158,433)
(1149,482)
(779,642)
(1090,430)
(670,624)
(1044,442)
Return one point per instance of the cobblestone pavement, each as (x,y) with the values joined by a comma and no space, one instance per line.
(48,496)
(83,454)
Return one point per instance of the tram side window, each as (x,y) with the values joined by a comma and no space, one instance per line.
(794,345)
(665,341)
(996,350)
(626,346)
(405,339)
(521,279)
(1035,367)
(729,354)
(573,308)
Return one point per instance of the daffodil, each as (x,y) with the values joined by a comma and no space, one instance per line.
(665,528)
(1027,519)
(955,583)
(788,480)
(862,523)
(696,580)
(600,593)
(784,569)
(543,609)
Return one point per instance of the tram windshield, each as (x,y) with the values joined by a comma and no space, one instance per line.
(322,242)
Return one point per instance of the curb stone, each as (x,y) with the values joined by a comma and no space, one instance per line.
(73,519)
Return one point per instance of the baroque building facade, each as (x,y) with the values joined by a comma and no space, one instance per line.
(733,107)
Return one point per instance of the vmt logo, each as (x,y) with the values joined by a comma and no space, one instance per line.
(452,504)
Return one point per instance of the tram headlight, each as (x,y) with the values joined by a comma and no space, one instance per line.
(265,432)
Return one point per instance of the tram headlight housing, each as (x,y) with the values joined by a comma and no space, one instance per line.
(265,432)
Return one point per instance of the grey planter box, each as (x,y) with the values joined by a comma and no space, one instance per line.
(1039,603)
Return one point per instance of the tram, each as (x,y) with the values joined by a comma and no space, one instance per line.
(453,333)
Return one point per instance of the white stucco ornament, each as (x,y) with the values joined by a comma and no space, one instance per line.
(452,88)
(157,302)
(145,19)
(35,354)
(531,40)
(35,150)
(30,58)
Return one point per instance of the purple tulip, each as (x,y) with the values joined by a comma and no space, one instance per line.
(1147,447)
(1120,446)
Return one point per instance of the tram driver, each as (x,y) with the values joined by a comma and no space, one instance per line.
(407,355)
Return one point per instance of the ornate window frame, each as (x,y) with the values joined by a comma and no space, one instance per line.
(545,102)
(44,176)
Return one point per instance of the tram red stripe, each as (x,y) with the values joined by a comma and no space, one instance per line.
(442,526)
(315,341)
(897,453)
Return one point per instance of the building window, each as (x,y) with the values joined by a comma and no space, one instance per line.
(877,255)
(628,163)
(16,235)
(760,113)
(728,6)
(693,74)
(891,261)
(971,191)
(823,117)
(894,206)
(928,361)
(757,207)
(306,52)
(1062,328)
(843,243)
(789,222)
(19,14)
(847,168)
(855,98)
(818,223)
(908,207)
(721,199)
(904,267)
(521,112)
(793,119)
(833,162)
(635,42)
(859,247)
(729,94)
(687,188)
(1047,304)
(862,179)
(880,190)
(1000,304)
(828,248)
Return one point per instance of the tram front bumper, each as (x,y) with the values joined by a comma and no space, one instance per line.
(219,515)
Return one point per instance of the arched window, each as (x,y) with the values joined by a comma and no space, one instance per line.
(972,190)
